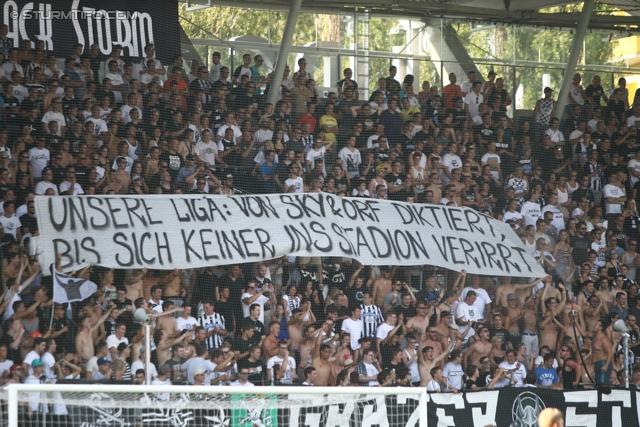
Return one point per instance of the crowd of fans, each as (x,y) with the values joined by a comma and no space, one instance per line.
(567,187)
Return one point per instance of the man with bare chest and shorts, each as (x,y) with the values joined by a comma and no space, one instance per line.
(601,353)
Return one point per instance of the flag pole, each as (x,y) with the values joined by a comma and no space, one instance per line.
(53,306)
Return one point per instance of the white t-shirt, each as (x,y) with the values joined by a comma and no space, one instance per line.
(48,360)
(516,216)
(261,301)
(610,190)
(635,165)
(237,133)
(287,378)
(113,341)
(518,376)
(633,121)
(473,101)
(42,187)
(493,160)
(66,185)
(38,158)
(453,373)
(452,161)
(531,212)
(355,329)
(30,357)
(372,371)
(383,330)
(312,155)
(139,364)
(351,161)
(558,216)
(466,312)
(10,225)
(5,366)
(51,116)
(433,386)
(296,183)
(188,324)
(207,152)
(482,299)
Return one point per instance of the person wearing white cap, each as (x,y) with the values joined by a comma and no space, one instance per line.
(198,376)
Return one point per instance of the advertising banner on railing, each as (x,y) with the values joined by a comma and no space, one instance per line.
(61,24)
(162,232)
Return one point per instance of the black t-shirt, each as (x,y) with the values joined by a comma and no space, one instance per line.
(487,133)
(14,353)
(65,341)
(175,162)
(594,92)
(502,333)
(242,345)
(396,181)
(258,327)
(257,371)
(407,312)
(580,247)
(226,309)
(354,295)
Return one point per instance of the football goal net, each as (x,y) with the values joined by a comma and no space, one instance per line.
(57,405)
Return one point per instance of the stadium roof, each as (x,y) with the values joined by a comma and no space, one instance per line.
(522,12)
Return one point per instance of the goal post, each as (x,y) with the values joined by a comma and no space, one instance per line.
(208,406)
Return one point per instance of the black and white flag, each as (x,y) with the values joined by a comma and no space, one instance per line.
(70,289)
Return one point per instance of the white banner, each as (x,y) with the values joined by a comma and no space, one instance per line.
(161,232)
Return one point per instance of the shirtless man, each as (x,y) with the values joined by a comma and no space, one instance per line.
(529,335)
(521,290)
(381,286)
(514,314)
(618,283)
(84,338)
(551,325)
(478,349)
(449,333)
(321,354)
(135,284)
(168,323)
(569,332)
(420,322)
(601,354)
(302,318)
(593,311)
(97,334)
(173,289)
(164,343)
(427,360)
(604,294)
(270,342)
(306,346)
(549,293)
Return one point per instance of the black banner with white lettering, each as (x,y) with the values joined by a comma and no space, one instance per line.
(519,407)
(63,23)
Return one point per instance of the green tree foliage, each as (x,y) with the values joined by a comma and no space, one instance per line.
(535,51)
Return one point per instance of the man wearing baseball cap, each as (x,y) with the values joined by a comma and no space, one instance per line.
(36,398)
(104,370)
